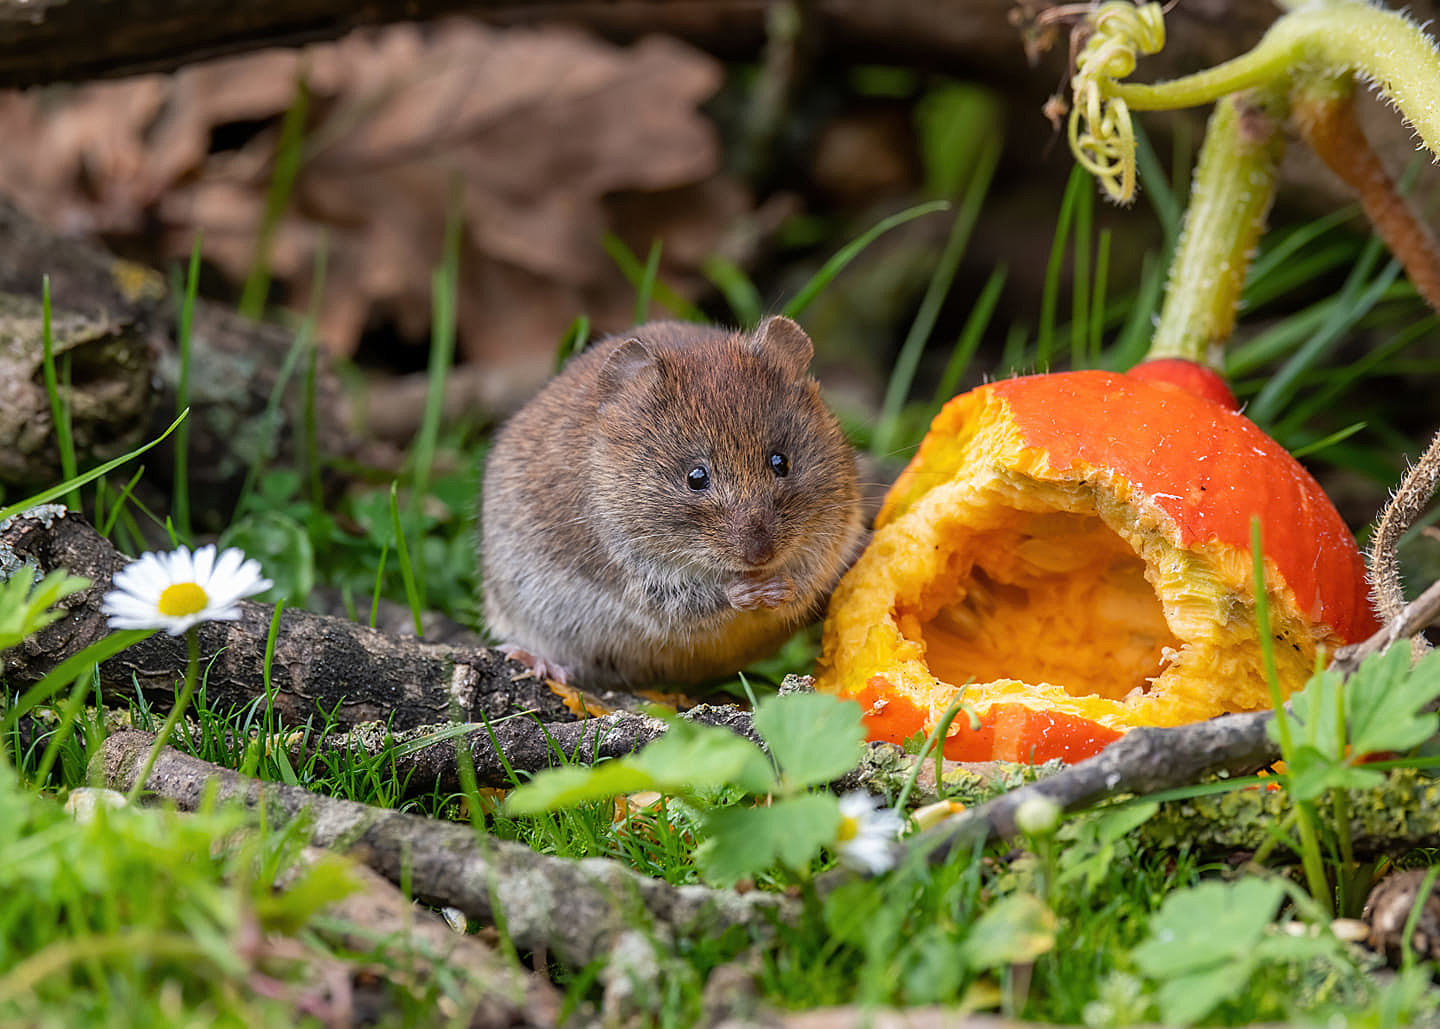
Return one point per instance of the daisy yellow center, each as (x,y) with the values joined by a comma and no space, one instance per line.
(849,828)
(181,599)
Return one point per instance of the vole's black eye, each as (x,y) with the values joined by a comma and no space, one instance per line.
(698,478)
(779,464)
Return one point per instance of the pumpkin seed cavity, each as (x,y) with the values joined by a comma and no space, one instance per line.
(1047,597)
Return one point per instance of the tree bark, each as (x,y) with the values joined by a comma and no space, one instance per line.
(118,322)
(325,669)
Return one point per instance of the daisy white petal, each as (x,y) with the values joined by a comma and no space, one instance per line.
(145,576)
(179,565)
(204,565)
(176,590)
(232,559)
(867,833)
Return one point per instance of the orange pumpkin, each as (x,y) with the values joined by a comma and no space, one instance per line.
(1070,553)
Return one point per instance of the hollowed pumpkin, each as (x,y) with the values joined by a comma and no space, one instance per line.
(1073,551)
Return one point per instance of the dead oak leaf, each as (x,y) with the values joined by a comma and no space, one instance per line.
(531,130)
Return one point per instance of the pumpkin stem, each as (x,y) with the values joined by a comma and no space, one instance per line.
(1229,200)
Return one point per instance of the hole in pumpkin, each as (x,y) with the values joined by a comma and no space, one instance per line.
(1050,597)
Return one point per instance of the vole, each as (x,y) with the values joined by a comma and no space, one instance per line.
(669,508)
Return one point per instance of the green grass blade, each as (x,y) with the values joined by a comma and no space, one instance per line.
(1156,187)
(1080,276)
(379,582)
(1328,441)
(973,331)
(1275,342)
(45,496)
(1050,297)
(573,341)
(119,502)
(1096,329)
(73,705)
(59,405)
(289,156)
(736,287)
(902,377)
(1355,300)
(445,290)
(1133,340)
(402,551)
(646,289)
(271,418)
(833,267)
(69,670)
(184,344)
(634,273)
(1344,379)
(1284,248)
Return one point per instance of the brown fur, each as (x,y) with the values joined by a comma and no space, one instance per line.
(600,561)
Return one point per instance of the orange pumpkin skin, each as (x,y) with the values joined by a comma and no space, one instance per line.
(1074,551)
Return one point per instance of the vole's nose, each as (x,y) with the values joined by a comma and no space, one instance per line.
(755,536)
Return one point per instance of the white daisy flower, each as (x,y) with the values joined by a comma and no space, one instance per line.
(867,833)
(177,590)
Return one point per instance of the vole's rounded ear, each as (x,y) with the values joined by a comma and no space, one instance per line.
(785,343)
(631,361)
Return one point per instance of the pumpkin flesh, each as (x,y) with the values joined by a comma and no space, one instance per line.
(1071,552)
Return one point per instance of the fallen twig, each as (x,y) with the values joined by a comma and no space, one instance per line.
(518,744)
(1406,623)
(417,942)
(579,910)
(1144,760)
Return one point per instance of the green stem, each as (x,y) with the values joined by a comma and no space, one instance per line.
(1328,39)
(1310,856)
(187,693)
(1234,185)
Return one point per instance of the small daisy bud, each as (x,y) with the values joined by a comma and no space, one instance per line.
(1037,816)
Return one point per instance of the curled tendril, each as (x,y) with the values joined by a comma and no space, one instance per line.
(1102,136)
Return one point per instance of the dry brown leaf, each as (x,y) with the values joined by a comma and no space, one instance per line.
(539,131)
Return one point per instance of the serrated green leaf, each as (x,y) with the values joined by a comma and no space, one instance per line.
(1014,931)
(1385,699)
(745,841)
(1311,774)
(558,788)
(814,737)
(687,758)
(1189,998)
(1315,713)
(691,756)
(1207,925)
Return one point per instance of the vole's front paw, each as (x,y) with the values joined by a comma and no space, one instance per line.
(543,669)
(750,594)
